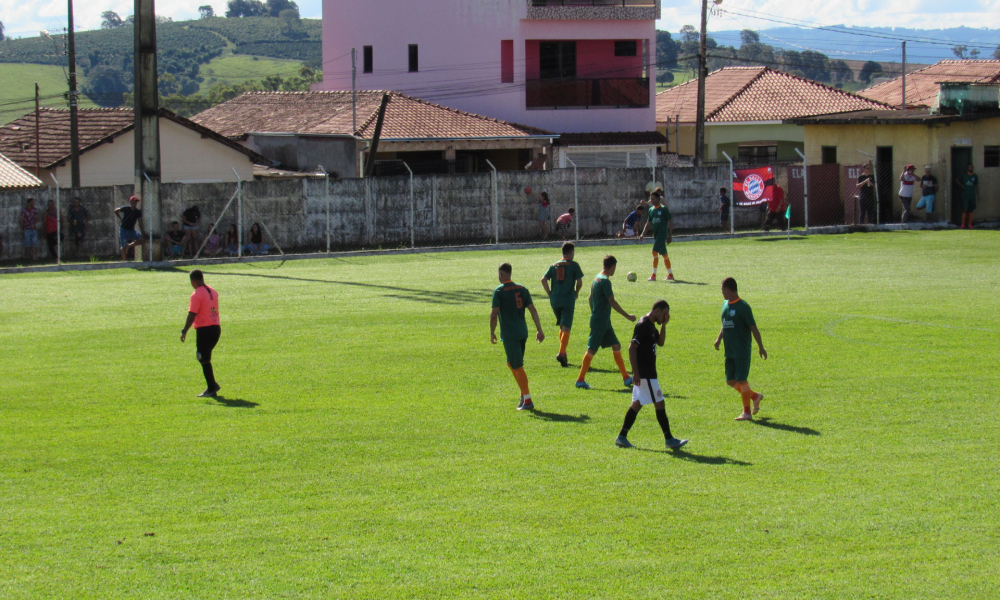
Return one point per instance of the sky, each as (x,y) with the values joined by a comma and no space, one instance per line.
(27,18)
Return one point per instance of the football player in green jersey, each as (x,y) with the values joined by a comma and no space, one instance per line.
(567,279)
(661,222)
(737,326)
(509,302)
(602,335)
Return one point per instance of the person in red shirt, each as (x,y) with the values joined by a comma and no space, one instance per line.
(203,313)
(776,209)
(52,228)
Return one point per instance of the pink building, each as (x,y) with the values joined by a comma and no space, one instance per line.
(567,66)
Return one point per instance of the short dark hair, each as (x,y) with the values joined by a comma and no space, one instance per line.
(506,268)
(568,247)
(545,195)
(610,261)
(656,194)
(661,305)
(639,207)
(730,284)
(197,275)
(571,210)
(722,189)
(174,223)
(29,199)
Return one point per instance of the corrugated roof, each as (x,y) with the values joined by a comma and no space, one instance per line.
(329,113)
(922,85)
(96,126)
(14,177)
(741,94)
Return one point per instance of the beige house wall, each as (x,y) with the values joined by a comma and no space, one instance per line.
(185,157)
(721,134)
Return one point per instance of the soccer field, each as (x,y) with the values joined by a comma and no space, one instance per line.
(366,444)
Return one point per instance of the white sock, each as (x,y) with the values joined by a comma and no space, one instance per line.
(670,271)
(654,270)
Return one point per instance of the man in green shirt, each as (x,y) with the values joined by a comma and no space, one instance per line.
(509,302)
(567,279)
(969,182)
(602,335)
(737,326)
(661,222)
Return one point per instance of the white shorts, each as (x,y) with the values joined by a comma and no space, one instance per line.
(629,232)
(647,392)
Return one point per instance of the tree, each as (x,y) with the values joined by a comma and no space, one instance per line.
(665,77)
(960,51)
(291,24)
(666,50)
(207,12)
(815,65)
(996,53)
(749,36)
(840,72)
(105,86)
(1,34)
(110,20)
(245,8)
(869,70)
(276,7)
(974,53)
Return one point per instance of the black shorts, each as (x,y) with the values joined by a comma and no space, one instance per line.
(206,339)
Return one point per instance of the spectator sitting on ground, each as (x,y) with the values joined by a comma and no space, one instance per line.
(776,209)
(29,225)
(255,241)
(191,217)
(213,246)
(564,222)
(175,239)
(233,241)
(51,224)
(79,218)
(630,226)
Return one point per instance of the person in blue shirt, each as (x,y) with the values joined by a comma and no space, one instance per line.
(631,224)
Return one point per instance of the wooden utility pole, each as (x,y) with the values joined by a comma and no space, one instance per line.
(74,127)
(904,76)
(147,116)
(38,133)
(699,131)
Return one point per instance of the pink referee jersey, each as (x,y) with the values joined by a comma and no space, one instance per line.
(205,306)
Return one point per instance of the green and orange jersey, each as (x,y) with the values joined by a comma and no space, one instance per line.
(737,319)
(600,302)
(659,218)
(562,277)
(512,299)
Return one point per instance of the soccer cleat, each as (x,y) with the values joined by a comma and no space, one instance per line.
(674,443)
(652,278)
(744,417)
(583,385)
(529,405)
(209,393)
(622,442)
(627,382)
(670,277)
(520,403)
(562,360)
(756,403)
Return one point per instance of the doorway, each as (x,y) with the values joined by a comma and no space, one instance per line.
(886,176)
(960,158)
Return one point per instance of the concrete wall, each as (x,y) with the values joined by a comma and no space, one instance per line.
(301,153)
(448,209)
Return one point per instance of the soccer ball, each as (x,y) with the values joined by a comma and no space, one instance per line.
(631,276)
(527,190)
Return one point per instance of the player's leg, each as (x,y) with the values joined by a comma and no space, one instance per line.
(633,411)
(207,338)
(667,265)
(747,395)
(515,360)
(593,344)
(656,264)
(661,413)
(616,350)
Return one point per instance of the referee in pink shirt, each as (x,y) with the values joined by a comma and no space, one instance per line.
(203,313)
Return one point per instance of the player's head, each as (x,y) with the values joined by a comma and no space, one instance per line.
(504,271)
(722,190)
(729,288)
(134,201)
(76,201)
(197,278)
(175,225)
(568,250)
(655,198)
(545,196)
(660,312)
(927,169)
(571,211)
(639,208)
(29,202)
(970,168)
(610,264)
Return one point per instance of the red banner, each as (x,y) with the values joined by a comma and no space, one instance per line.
(752,187)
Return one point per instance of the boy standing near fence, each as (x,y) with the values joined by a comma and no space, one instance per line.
(662,224)
(566,277)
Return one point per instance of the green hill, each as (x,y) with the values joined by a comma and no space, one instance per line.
(17,94)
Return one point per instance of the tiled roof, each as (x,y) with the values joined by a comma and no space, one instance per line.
(615,138)
(912,116)
(14,177)
(329,113)
(741,94)
(922,85)
(96,126)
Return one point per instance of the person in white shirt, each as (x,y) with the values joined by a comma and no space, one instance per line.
(906,181)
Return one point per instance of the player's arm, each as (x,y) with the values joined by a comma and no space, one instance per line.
(187,325)
(645,228)
(663,334)
(760,343)
(118,213)
(538,323)
(633,359)
(493,324)
(670,230)
(718,340)
(545,286)
(614,304)
(579,286)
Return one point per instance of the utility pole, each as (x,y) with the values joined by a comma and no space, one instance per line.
(147,116)
(354,90)
(699,133)
(74,126)
(38,133)
(904,76)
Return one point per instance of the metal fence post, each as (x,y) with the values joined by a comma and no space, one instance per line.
(326,183)
(239,215)
(732,198)
(413,208)
(58,223)
(496,206)
(576,200)
(150,181)
(805,188)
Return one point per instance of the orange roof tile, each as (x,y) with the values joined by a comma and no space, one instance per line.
(14,177)
(740,94)
(922,85)
(329,113)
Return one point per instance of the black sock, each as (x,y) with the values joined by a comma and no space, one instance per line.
(661,416)
(209,375)
(630,416)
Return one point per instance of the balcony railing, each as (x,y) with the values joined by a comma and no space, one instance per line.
(592,3)
(587,93)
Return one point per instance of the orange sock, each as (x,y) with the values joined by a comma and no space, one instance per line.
(747,395)
(666,262)
(621,364)
(563,341)
(522,380)
(587,357)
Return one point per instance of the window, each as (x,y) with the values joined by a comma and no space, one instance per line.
(506,61)
(367,59)
(758,155)
(414,62)
(626,48)
(991,156)
(557,60)
(829,155)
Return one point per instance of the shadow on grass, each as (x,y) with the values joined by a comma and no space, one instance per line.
(699,458)
(682,282)
(415,295)
(794,238)
(235,402)
(559,418)
(767,422)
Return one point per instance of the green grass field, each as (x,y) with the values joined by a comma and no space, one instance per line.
(17,93)
(367,446)
(236,69)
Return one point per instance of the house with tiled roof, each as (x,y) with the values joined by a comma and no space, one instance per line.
(744,112)
(189,152)
(302,131)
(922,86)
(13,177)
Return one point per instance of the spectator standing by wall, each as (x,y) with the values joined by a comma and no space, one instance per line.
(51,224)
(725,204)
(130,216)
(79,218)
(29,225)
(928,189)
(776,209)
(969,182)
(866,195)
(543,214)
(906,181)
(191,218)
